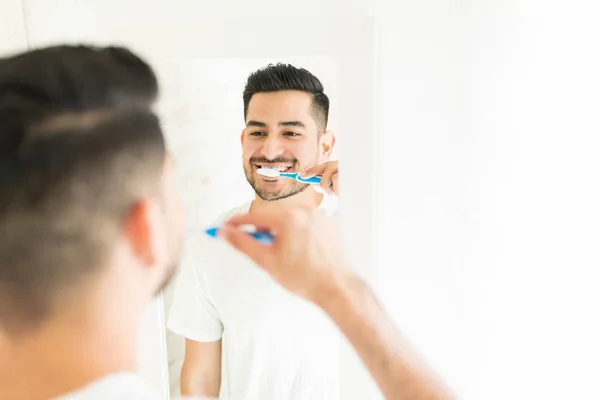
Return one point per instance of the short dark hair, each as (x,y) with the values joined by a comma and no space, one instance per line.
(277,77)
(79,146)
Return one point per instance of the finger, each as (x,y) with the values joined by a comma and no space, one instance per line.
(326,179)
(257,252)
(336,185)
(314,171)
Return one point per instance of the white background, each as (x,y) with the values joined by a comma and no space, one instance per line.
(487,175)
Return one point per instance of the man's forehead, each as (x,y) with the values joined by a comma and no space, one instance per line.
(281,100)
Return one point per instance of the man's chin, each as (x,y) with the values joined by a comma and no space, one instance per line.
(269,190)
(269,196)
(280,194)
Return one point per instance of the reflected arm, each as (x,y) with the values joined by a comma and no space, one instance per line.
(201,371)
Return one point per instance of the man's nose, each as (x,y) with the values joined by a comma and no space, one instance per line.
(272,147)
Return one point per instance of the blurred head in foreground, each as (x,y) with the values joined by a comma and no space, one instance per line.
(90,224)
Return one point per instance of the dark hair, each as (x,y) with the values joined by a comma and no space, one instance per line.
(79,146)
(274,78)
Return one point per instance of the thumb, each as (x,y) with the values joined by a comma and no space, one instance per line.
(316,170)
(246,244)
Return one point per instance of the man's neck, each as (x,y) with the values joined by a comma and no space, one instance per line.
(66,355)
(307,198)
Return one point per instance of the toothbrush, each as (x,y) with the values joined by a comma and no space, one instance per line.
(263,237)
(273,173)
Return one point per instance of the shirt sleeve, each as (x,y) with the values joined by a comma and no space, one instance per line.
(192,314)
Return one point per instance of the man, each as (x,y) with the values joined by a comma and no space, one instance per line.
(269,343)
(90,229)
(90,225)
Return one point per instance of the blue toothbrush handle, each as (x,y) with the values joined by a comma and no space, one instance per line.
(315,180)
(312,179)
(263,237)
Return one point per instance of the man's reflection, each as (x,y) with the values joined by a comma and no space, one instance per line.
(236,320)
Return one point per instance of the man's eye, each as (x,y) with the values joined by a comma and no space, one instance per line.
(257,134)
(292,134)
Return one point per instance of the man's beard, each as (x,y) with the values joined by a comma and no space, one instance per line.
(292,188)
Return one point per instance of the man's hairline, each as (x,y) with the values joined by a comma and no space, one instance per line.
(314,108)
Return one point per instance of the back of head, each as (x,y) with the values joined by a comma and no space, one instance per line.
(279,77)
(79,145)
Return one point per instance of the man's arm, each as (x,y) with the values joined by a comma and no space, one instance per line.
(307,258)
(356,311)
(194,317)
(201,371)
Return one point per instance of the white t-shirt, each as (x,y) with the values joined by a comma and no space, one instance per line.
(120,386)
(275,345)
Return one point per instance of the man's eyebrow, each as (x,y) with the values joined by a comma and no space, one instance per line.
(292,123)
(284,123)
(256,123)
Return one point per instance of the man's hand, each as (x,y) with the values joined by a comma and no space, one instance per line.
(306,256)
(329,176)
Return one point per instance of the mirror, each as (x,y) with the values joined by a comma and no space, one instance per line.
(202,65)
(204,99)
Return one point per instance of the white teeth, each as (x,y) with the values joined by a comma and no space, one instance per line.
(279,169)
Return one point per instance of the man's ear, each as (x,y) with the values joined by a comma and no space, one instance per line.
(142,229)
(243,136)
(327,142)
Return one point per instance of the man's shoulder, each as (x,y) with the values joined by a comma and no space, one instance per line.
(207,245)
(199,245)
(330,205)
(240,209)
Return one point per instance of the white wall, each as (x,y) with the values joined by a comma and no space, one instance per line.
(489,133)
(425,277)
(12,27)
